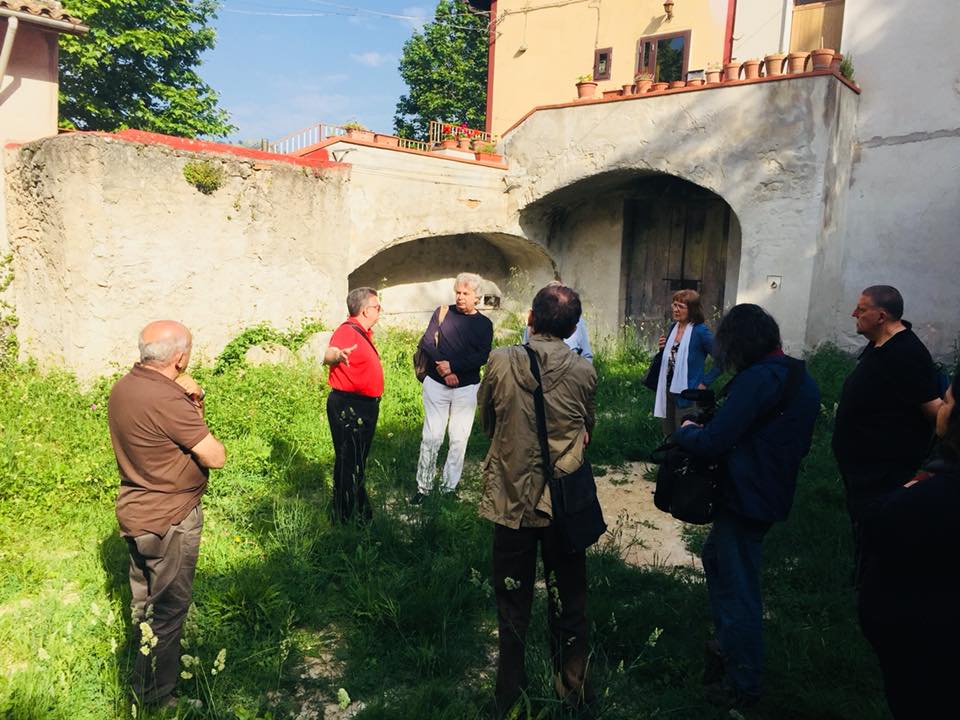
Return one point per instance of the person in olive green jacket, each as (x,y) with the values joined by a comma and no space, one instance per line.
(516,498)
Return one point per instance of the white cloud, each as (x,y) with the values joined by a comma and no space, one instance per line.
(371,58)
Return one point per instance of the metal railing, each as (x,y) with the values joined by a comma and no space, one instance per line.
(314,134)
(437,129)
(305,138)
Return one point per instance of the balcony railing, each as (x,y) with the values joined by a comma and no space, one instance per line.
(301,139)
(438,129)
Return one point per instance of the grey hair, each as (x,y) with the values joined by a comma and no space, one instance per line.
(160,352)
(358,299)
(471,280)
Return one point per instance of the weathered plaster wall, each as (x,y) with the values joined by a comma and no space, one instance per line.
(28,89)
(903,206)
(764,148)
(758,28)
(108,235)
(589,246)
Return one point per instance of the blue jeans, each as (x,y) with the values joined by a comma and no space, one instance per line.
(731,562)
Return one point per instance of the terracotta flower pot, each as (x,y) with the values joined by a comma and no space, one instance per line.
(463,142)
(773,64)
(731,71)
(696,82)
(627,89)
(713,77)
(751,69)
(674,84)
(797,62)
(643,86)
(837,61)
(612,93)
(586,89)
(448,144)
(488,157)
(822,58)
(658,86)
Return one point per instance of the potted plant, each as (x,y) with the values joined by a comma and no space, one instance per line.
(751,69)
(357,131)
(713,73)
(846,67)
(628,89)
(731,71)
(797,62)
(464,142)
(586,87)
(674,84)
(659,86)
(487,152)
(643,82)
(822,58)
(449,141)
(773,64)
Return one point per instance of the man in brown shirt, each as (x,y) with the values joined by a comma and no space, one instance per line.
(164,451)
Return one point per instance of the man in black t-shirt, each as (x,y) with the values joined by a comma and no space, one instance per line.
(885,417)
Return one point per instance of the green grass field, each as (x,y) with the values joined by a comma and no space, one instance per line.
(399,614)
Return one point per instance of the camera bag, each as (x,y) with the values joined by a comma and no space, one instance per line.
(576,509)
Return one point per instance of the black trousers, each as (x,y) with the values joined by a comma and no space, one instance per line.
(863,486)
(353,421)
(514,574)
(161,581)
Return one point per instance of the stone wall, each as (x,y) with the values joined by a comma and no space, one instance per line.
(107,235)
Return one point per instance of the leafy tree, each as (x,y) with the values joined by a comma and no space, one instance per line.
(445,68)
(137,68)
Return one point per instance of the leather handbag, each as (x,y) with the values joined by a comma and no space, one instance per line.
(577,514)
(421,361)
(653,374)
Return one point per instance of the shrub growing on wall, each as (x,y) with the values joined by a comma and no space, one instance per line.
(204,175)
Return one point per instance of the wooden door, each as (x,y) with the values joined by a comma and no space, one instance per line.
(675,237)
(815,23)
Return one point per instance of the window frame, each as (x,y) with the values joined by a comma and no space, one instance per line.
(655,39)
(597,75)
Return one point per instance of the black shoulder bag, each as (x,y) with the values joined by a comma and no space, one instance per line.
(688,487)
(577,515)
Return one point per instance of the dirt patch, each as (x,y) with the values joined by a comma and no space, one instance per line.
(646,536)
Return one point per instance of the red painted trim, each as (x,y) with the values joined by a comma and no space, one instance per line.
(321,147)
(148,138)
(491,55)
(736,83)
(731,22)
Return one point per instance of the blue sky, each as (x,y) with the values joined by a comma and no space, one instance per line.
(281,65)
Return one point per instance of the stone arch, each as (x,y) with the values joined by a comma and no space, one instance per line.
(626,239)
(417,275)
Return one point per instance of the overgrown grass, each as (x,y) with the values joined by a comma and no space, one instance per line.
(399,613)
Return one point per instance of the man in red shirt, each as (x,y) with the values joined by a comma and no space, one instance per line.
(353,405)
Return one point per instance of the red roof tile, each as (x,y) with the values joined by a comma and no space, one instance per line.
(50,9)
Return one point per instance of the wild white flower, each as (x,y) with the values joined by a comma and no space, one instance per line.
(144,650)
(220,663)
(188,660)
(186,675)
(343,699)
(43,654)
(113,645)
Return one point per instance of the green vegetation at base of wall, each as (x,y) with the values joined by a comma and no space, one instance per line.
(400,613)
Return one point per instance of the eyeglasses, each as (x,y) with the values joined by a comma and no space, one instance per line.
(679,305)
